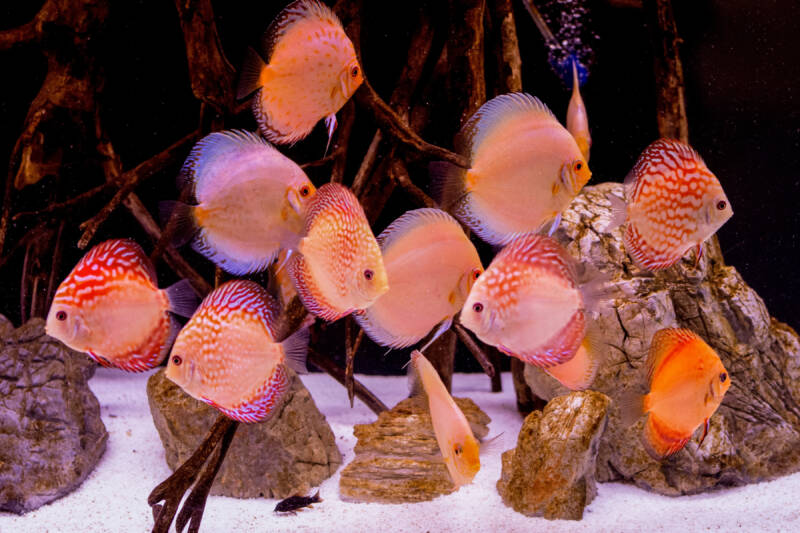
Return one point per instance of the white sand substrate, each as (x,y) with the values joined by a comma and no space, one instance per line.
(114,496)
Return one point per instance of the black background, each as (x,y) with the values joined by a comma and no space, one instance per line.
(742,66)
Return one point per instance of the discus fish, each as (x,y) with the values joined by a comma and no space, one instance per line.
(227,356)
(110,307)
(251,201)
(674,203)
(459,447)
(293,503)
(579,372)
(687,383)
(525,169)
(577,118)
(430,266)
(312,72)
(529,303)
(339,268)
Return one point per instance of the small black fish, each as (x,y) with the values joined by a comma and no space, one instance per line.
(292,503)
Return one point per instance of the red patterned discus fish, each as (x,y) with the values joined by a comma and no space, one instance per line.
(529,303)
(226,355)
(312,72)
(110,307)
(674,203)
(339,268)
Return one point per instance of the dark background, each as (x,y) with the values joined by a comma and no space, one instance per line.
(741,61)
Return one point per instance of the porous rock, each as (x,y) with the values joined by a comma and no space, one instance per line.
(551,472)
(397,458)
(289,453)
(755,434)
(51,434)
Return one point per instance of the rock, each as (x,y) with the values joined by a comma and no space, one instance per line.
(289,453)
(551,472)
(397,457)
(51,434)
(755,434)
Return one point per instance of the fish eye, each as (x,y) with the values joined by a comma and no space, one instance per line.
(305,190)
(722,204)
(61,315)
(368,274)
(723,377)
(578,165)
(354,72)
(458,449)
(177,360)
(476,274)
(477,307)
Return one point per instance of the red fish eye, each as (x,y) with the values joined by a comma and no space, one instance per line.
(578,166)
(723,377)
(354,72)
(721,205)
(176,359)
(478,307)
(476,274)
(368,274)
(305,191)
(61,315)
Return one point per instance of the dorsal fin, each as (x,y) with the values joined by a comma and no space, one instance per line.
(411,220)
(291,14)
(664,342)
(494,113)
(206,165)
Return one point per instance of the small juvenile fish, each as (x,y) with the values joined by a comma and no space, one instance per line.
(579,372)
(577,118)
(312,72)
(529,303)
(293,503)
(674,203)
(431,266)
(525,169)
(250,201)
(227,357)
(339,268)
(110,307)
(460,448)
(687,383)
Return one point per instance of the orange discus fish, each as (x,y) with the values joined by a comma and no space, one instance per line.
(529,303)
(687,383)
(579,372)
(460,448)
(431,266)
(251,200)
(674,203)
(339,268)
(110,307)
(577,118)
(227,356)
(525,170)
(312,72)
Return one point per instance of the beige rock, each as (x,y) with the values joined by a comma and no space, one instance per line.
(755,434)
(397,458)
(551,472)
(289,453)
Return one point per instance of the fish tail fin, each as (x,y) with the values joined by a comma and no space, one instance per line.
(250,77)
(295,347)
(183,299)
(618,208)
(596,286)
(447,183)
(181,218)
(631,407)
(659,440)
(315,498)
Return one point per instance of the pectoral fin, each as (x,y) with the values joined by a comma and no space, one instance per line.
(705,431)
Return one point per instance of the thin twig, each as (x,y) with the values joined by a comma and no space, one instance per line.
(399,174)
(394,126)
(351,348)
(475,350)
(67,205)
(367,165)
(335,371)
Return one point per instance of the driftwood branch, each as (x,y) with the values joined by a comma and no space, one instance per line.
(398,173)
(362,393)
(475,350)
(506,47)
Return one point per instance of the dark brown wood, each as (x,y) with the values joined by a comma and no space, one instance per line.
(526,400)
(351,349)
(466,76)
(398,173)
(506,47)
(475,350)
(441,354)
(670,97)
(327,365)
